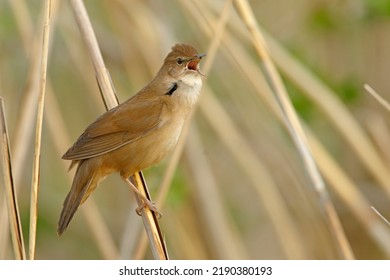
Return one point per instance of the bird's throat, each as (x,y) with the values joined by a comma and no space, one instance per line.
(188,89)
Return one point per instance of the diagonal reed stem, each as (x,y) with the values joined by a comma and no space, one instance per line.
(380,215)
(378,97)
(294,126)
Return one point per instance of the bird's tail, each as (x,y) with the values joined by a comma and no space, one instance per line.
(84,183)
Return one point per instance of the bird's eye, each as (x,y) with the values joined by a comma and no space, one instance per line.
(179,60)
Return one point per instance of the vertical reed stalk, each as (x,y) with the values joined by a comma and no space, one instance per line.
(10,192)
(38,134)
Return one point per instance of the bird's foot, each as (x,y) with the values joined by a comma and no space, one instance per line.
(146,202)
(151,205)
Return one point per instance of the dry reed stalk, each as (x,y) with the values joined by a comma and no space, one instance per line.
(377,96)
(295,128)
(335,111)
(38,133)
(150,219)
(9,189)
(380,215)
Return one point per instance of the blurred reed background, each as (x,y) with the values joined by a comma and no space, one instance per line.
(240,190)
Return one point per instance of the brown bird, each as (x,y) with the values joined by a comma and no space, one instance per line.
(138,133)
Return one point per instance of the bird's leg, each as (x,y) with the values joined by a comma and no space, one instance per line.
(146,201)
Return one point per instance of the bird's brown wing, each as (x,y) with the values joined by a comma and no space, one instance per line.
(116,128)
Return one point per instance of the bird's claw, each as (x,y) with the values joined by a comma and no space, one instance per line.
(151,206)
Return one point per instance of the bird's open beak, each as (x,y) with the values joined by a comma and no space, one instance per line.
(193,64)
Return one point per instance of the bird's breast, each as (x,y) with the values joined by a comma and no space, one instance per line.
(188,91)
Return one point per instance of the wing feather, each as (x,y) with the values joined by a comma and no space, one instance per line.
(117,127)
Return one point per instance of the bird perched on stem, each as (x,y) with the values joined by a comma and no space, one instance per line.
(138,133)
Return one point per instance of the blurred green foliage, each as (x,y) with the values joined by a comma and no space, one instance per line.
(322,18)
(377,8)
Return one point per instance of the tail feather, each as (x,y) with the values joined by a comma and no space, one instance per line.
(83,183)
